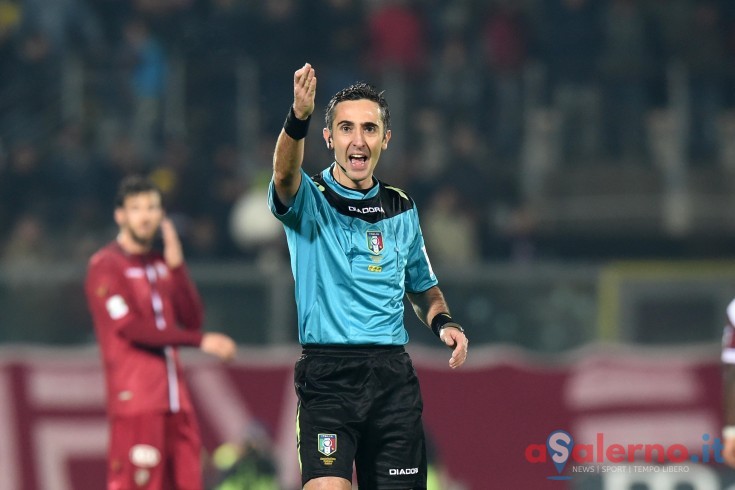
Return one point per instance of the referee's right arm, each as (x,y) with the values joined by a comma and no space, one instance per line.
(289,152)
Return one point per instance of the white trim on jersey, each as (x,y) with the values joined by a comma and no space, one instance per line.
(173,380)
(157,303)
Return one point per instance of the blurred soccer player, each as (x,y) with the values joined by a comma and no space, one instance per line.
(144,305)
(356,250)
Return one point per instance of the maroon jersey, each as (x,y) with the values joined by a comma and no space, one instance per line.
(142,310)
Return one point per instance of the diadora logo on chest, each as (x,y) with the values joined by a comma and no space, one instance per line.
(366,209)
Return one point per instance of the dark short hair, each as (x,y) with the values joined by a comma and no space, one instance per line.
(132,185)
(358,91)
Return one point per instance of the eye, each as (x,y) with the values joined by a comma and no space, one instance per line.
(345,129)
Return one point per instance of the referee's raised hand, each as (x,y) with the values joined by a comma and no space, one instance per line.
(304,91)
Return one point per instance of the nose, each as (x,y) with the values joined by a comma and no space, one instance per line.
(359,139)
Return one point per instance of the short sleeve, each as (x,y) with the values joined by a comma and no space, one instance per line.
(291,215)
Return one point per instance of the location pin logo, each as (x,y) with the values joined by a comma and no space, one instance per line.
(559,444)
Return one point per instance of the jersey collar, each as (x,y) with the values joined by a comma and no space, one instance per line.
(344,191)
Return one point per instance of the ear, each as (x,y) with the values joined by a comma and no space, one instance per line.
(327,135)
(119,216)
(386,139)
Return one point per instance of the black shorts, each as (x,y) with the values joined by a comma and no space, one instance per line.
(361,404)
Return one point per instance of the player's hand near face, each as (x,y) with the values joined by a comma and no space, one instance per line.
(218,344)
(304,91)
(173,253)
(456,340)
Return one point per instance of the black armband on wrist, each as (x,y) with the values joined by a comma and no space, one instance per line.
(443,320)
(296,128)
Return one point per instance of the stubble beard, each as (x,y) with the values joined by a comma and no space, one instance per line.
(146,242)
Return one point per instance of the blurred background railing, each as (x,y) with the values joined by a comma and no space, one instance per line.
(545,308)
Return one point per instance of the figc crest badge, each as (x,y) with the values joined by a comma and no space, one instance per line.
(327,444)
(375,241)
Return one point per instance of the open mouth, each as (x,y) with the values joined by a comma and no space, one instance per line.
(358,160)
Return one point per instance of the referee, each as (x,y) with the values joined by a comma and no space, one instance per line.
(356,249)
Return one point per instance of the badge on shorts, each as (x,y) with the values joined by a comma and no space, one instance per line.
(327,444)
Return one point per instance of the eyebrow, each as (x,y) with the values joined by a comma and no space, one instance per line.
(351,123)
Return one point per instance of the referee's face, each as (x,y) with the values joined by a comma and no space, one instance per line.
(357,137)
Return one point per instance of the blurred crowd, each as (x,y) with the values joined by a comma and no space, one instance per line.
(460,76)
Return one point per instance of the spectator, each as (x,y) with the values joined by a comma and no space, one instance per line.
(286,18)
(142,62)
(670,19)
(456,82)
(215,55)
(705,60)
(224,186)
(10,15)
(28,243)
(119,158)
(448,215)
(71,164)
(342,36)
(27,184)
(179,176)
(34,88)
(505,43)
(572,44)
(627,59)
(66,24)
(397,38)
(431,159)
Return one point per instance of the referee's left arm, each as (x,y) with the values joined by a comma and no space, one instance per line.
(432,309)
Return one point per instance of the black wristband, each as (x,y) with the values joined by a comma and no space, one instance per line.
(443,320)
(296,128)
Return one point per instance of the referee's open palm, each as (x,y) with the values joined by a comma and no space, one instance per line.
(304,91)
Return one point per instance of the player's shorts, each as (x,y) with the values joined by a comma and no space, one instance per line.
(361,404)
(154,452)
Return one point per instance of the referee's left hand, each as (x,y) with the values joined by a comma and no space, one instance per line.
(456,340)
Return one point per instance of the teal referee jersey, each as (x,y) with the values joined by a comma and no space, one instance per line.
(353,256)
